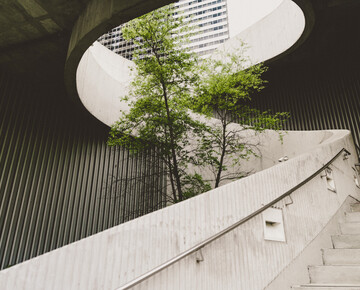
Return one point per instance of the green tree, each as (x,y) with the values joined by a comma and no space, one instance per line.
(159,100)
(169,81)
(226,88)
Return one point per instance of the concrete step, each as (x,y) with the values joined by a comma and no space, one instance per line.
(350,228)
(334,275)
(341,256)
(346,241)
(326,287)
(355,207)
(352,217)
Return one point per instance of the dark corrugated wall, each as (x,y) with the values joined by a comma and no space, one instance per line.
(59,181)
(315,102)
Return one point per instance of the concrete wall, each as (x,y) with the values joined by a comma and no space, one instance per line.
(236,261)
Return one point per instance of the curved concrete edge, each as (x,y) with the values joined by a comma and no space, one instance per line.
(309,16)
(273,35)
(98,18)
(99,84)
(102,78)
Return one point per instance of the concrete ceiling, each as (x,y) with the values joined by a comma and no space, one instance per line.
(34,36)
(27,20)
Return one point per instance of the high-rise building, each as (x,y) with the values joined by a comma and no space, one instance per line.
(208,17)
(210,20)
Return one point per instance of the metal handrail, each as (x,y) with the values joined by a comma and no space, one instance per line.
(358,151)
(228,229)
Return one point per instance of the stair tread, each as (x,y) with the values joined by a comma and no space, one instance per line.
(328,286)
(335,274)
(350,235)
(344,257)
(350,228)
(346,241)
(333,266)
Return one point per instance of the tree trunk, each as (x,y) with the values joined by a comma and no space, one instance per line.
(172,145)
(223,150)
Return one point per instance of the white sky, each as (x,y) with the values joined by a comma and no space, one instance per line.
(244,13)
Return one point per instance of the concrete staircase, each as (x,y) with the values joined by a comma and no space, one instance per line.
(341,264)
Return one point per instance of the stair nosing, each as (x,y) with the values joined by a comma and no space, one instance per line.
(327,285)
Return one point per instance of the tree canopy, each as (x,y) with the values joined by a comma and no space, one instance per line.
(170,84)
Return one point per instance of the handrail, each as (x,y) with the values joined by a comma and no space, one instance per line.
(358,151)
(228,229)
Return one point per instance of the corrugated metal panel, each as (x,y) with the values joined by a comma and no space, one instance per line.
(59,181)
(315,102)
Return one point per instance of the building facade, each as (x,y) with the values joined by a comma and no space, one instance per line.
(208,17)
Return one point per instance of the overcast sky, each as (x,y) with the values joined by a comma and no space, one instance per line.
(244,13)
